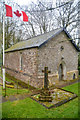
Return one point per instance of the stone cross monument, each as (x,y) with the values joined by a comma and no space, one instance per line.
(46,83)
(45,94)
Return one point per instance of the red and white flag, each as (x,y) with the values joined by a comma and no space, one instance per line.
(25,17)
(9,13)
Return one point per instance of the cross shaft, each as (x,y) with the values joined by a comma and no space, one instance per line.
(45,71)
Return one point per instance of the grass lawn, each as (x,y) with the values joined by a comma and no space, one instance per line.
(73,88)
(7,79)
(28,108)
(12,91)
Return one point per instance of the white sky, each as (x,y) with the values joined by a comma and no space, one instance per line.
(24,2)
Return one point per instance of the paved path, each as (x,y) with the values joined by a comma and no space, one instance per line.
(68,83)
(17,97)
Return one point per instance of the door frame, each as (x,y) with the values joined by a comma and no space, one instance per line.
(63,71)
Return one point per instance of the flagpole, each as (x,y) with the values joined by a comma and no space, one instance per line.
(3,47)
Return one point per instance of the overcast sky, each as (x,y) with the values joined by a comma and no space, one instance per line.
(24,2)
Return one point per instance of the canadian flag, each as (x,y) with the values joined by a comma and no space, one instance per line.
(9,13)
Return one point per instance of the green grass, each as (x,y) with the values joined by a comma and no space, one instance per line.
(7,79)
(0,90)
(73,88)
(0,60)
(14,81)
(28,108)
(12,91)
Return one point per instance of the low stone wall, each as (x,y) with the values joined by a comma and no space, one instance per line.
(72,75)
(24,77)
(54,78)
(38,82)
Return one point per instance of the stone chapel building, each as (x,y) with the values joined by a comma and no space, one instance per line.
(55,49)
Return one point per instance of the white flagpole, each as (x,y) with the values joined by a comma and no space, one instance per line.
(3,48)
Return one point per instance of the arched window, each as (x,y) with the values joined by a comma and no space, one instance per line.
(62,48)
(21,63)
(74,76)
(62,71)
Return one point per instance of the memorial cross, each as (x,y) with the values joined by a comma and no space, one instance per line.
(46,77)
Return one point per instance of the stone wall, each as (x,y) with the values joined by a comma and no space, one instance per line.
(51,55)
(29,65)
(34,60)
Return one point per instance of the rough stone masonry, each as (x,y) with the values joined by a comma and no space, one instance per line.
(26,60)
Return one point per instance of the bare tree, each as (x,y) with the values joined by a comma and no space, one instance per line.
(67,16)
(44,18)
(11,28)
(78,9)
(39,21)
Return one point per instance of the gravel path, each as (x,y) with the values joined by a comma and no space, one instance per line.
(17,97)
(66,84)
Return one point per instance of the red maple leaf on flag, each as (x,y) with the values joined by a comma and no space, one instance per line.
(9,13)
(17,13)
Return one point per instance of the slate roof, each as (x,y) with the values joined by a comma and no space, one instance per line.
(38,41)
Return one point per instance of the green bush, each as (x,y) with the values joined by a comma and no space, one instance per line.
(79,63)
(79,69)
